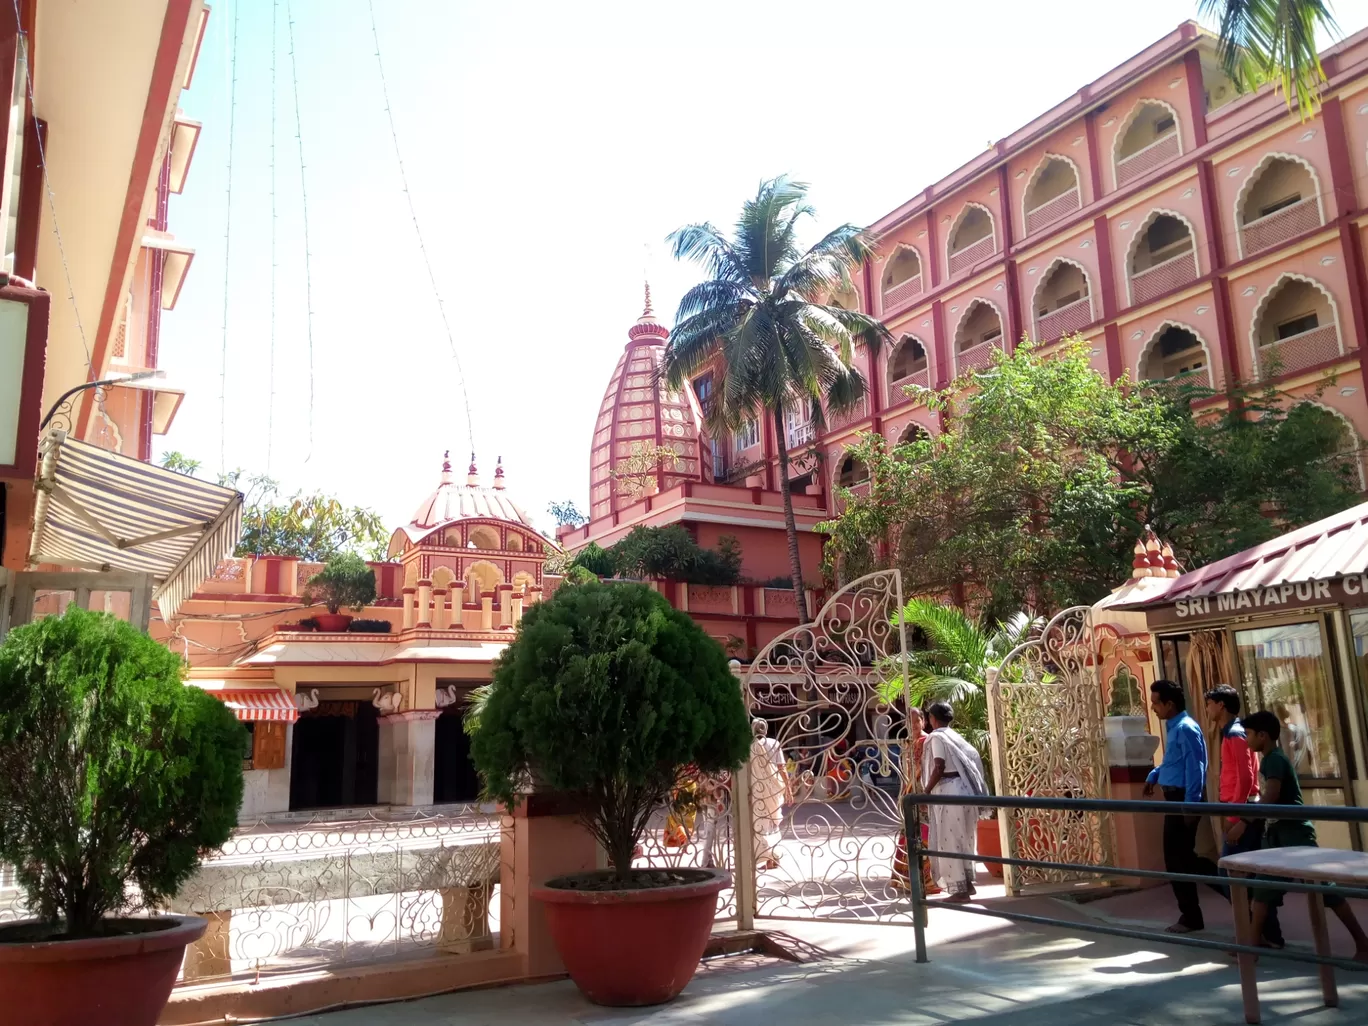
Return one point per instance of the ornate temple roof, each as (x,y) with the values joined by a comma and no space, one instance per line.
(640,413)
(452,502)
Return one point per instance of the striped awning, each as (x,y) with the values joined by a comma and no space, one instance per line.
(98,510)
(269,704)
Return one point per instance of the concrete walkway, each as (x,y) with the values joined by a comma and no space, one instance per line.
(981,971)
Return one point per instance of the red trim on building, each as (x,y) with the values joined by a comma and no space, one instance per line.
(1192,66)
(1094,157)
(938,340)
(162,88)
(31,387)
(932,249)
(30,200)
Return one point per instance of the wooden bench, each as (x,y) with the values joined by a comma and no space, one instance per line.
(1306,865)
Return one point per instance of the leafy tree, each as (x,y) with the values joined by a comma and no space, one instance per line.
(346,581)
(111,771)
(596,560)
(671,553)
(763,322)
(606,693)
(566,514)
(1273,40)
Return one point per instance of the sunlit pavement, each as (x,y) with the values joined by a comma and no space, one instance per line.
(981,970)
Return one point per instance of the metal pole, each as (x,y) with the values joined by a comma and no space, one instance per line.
(912,836)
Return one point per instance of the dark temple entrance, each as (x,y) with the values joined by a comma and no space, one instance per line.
(336,756)
(453,774)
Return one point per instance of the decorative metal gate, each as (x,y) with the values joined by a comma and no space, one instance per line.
(1045,718)
(826,845)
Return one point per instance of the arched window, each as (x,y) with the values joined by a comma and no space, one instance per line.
(1176,352)
(979,331)
(1052,193)
(480,578)
(515,542)
(1063,301)
(1350,457)
(853,473)
(908,360)
(971,238)
(902,278)
(483,537)
(914,432)
(846,299)
(1149,138)
(1280,199)
(1295,326)
(1163,257)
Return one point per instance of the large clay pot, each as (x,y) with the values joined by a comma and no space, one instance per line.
(990,843)
(632,947)
(332,622)
(120,980)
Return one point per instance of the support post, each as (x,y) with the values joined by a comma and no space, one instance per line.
(743,827)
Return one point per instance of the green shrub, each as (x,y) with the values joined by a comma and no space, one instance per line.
(672,554)
(345,582)
(111,770)
(370,627)
(606,693)
(597,561)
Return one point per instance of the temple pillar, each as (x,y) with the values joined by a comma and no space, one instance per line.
(457,606)
(424,614)
(407,743)
(487,611)
(534,595)
(408,608)
(439,608)
(515,600)
(505,605)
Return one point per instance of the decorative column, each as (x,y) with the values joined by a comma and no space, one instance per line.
(457,622)
(439,608)
(424,614)
(408,607)
(407,743)
(487,611)
(506,605)
(515,602)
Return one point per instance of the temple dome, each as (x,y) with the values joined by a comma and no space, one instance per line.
(640,413)
(452,502)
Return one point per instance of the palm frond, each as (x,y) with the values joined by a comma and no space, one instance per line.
(694,341)
(1273,40)
(706,245)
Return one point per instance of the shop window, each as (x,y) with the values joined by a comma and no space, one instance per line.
(1283,670)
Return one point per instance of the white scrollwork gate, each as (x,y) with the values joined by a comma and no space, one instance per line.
(829,849)
(1045,719)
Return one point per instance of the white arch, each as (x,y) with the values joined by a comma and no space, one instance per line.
(1353,433)
(913,426)
(959,218)
(836,478)
(494,572)
(954,336)
(1253,177)
(1134,244)
(1154,337)
(903,339)
(921,263)
(1044,278)
(1129,120)
(1272,290)
(1045,161)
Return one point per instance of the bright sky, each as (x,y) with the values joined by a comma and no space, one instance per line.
(550,148)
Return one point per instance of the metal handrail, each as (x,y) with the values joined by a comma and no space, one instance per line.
(912,803)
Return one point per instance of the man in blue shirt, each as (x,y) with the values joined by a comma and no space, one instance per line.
(1182,778)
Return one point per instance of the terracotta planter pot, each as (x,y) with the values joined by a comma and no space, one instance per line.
(332,622)
(113,981)
(990,843)
(632,947)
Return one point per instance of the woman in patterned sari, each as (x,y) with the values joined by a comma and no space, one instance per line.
(911,759)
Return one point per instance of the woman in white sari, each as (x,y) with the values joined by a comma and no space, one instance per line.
(951,766)
(769,790)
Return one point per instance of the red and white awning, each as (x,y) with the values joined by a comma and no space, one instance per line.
(270,704)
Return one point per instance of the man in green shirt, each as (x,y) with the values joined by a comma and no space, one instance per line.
(1278,785)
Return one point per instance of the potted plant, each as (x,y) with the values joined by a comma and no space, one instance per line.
(605,695)
(115,779)
(345,582)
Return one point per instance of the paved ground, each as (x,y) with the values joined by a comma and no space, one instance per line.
(982,971)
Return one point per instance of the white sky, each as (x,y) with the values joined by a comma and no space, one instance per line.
(550,148)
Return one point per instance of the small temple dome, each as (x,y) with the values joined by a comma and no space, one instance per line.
(452,502)
(638,414)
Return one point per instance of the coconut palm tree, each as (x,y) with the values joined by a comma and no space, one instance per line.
(765,324)
(956,665)
(1272,40)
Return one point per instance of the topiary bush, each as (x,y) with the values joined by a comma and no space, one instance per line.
(606,693)
(111,770)
(344,582)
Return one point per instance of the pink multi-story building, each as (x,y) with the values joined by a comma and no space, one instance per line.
(1178,226)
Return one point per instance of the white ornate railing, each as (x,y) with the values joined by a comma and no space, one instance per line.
(976,357)
(1144,160)
(1271,229)
(972,254)
(1064,321)
(1297,352)
(799,434)
(1163,277)
(1052,210)
(901,294)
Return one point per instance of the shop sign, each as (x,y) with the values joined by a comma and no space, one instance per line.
(1276,598)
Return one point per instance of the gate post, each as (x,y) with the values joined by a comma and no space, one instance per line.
(997,740)
(743,828)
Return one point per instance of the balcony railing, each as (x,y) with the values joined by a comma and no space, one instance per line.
(1297,352)
(1138,163)
(836,421)
(972,254)
(1173,273)
(1280,225)
(1200,379)
(1064,321)
(902,293)
(1052,210)
(921,379)
(976,357)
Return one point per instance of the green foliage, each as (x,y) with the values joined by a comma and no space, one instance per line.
(766,325)
(566,514)
(1125,694)
(671,553)
(1273,41)
(344,582)
(111,770)
(596,560)
(1046,475)
(607,693)
(370,627)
